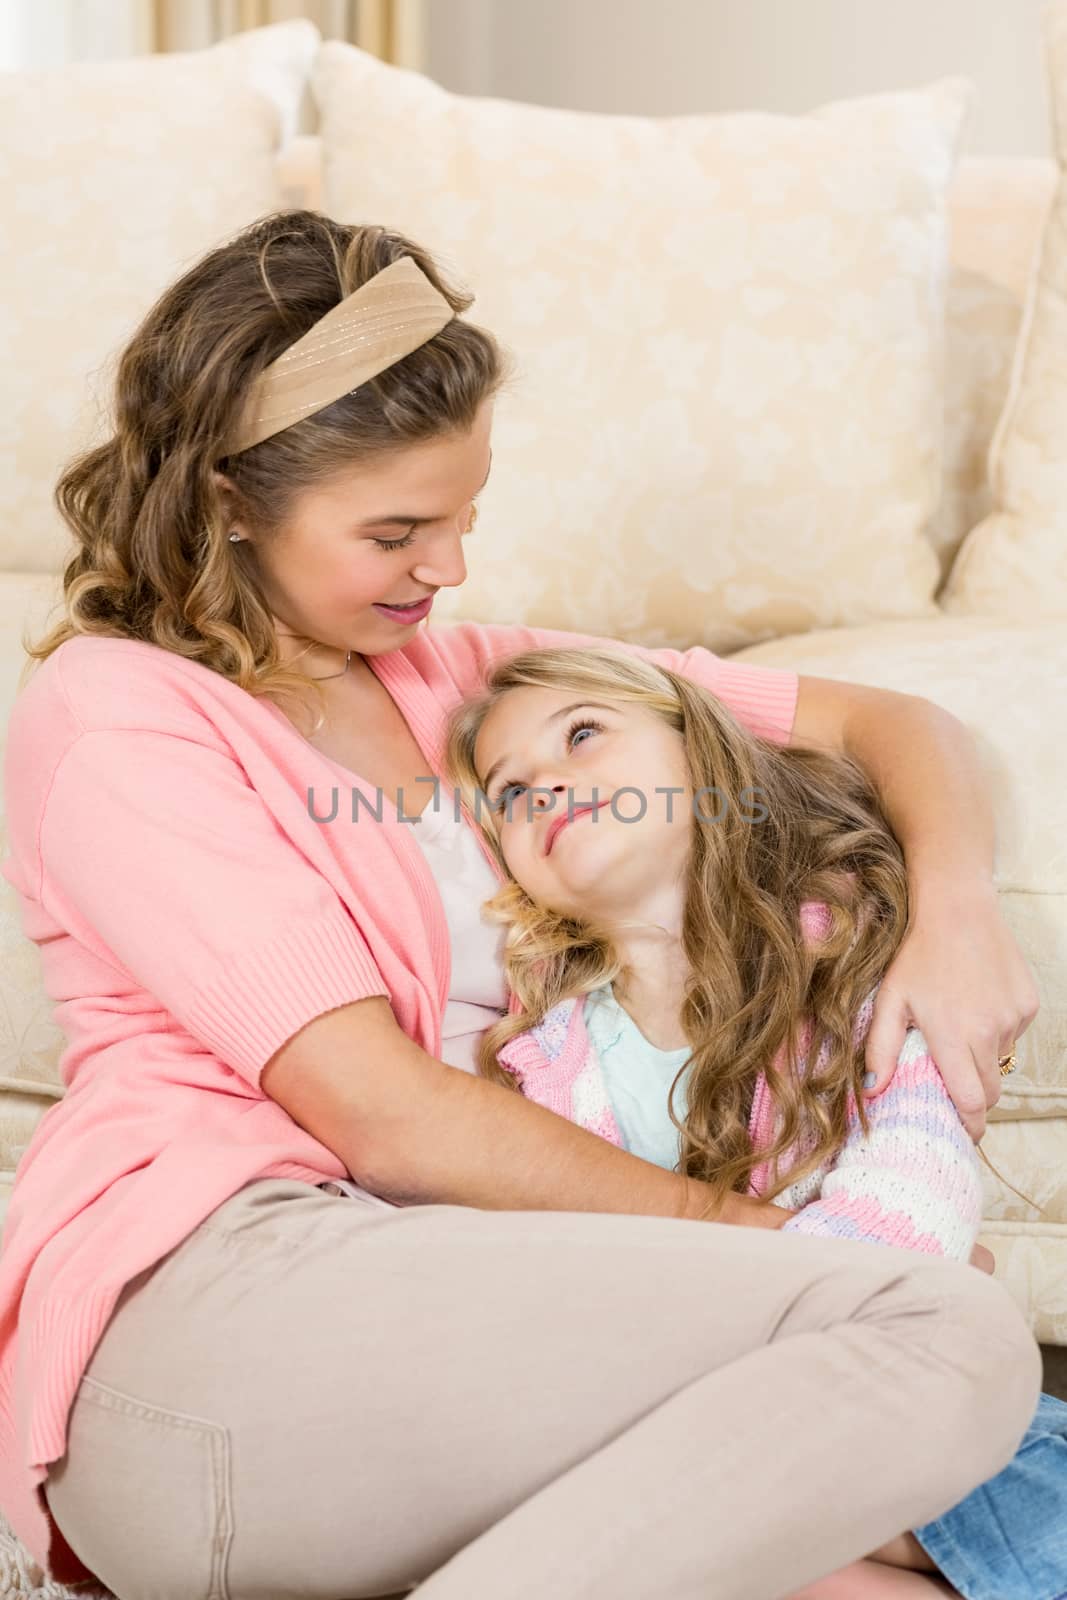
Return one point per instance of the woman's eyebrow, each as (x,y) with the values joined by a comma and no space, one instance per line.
(398,520)
(577,705)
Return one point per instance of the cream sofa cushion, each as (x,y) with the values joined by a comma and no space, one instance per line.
(996,678)
(116,176)
(1014,564)
(997,211)
(31,1043)
(1030,1260)
(727,419)
(1033,1158)
(1030,1246)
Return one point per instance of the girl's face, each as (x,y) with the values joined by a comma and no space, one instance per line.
(571,786)
(382,535)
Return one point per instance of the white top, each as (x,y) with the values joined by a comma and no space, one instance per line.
(477,992)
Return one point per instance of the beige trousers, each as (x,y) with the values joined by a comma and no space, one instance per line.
(313,1398)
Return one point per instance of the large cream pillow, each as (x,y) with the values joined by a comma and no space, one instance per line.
(728,419)
(116,176)
(997,211)
(1014,563)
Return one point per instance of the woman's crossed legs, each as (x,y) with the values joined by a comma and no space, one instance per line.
(320,1398)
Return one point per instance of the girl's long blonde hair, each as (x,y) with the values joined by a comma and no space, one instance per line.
(152,558)
(754,976)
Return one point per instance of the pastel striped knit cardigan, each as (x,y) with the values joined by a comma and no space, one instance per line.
(912,1181)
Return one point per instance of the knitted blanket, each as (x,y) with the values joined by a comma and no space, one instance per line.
(22,1579)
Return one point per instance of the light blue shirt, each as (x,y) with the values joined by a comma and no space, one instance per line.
(638,1076)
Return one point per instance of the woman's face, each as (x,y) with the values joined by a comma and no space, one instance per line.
(381,535)
(572,786)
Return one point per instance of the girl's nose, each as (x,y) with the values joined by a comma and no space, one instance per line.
(544,801)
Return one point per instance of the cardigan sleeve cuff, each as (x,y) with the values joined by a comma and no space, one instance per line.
(261,998)
(763,698)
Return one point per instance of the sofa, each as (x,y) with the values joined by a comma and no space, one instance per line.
(857,340)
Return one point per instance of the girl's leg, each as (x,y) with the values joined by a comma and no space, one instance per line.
(1005,1540)
(905,1551)
(870,1580)
(321,1399)
(898,1568)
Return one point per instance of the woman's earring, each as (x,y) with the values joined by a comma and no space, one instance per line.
(473,520)
(235,538)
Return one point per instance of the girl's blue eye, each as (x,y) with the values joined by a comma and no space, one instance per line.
(583,725)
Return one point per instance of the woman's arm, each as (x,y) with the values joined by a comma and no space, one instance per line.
(959,974)
(913,1180)
(418,1132)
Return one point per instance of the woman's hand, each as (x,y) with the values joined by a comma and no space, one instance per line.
(959,976)
(752,1213)
(739,1210)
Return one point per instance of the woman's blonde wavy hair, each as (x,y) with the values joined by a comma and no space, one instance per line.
(753,975)
(153,558)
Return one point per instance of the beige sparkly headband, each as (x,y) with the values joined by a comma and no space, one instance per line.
(391,315)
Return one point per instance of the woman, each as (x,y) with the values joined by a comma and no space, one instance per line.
(697,921)
(261,1000)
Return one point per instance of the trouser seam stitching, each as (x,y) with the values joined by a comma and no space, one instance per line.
(220,1456)
(221,1460)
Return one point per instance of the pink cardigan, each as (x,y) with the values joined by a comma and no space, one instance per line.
(192,916)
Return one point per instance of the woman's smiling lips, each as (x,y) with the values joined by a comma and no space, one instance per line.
(561,822)
(412,612)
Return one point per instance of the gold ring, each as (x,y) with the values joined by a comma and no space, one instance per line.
(1006,1064)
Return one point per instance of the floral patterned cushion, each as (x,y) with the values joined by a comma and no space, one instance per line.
(1014,564)
(1030,1245)
(726,425)
(116,175)
(998,209)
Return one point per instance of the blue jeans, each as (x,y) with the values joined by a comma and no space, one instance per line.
(1008,1539)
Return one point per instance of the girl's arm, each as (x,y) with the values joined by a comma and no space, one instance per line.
(913,1181)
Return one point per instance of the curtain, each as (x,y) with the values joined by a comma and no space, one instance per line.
(50,33)
(390,29)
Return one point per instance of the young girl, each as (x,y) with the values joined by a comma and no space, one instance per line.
(697,922)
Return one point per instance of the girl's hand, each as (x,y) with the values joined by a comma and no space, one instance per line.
(983,1259)
(959,976)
